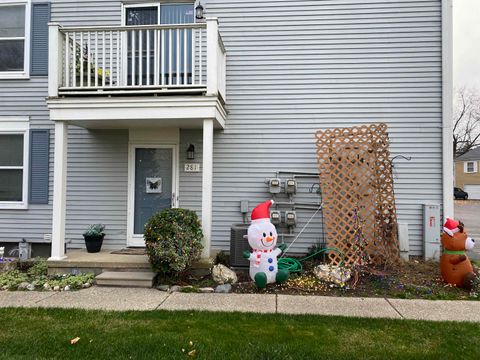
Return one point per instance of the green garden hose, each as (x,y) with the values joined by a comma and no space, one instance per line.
(295,265)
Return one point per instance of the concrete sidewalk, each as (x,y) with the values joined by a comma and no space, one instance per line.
(110,298)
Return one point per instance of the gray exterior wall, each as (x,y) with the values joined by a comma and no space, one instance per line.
(97,184)
(190,186)
(293,67)
(297,66)
(27,98)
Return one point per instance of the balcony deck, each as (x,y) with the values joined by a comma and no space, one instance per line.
(124,76)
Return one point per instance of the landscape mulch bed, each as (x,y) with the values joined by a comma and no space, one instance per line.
(416,279)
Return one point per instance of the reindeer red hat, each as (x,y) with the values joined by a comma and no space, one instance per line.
(451,226)
(262,211)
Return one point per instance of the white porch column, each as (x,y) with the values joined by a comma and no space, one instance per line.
(59,190)
(207,184)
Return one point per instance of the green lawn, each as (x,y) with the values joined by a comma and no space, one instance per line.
(46,333)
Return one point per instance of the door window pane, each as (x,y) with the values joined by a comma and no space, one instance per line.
(140,16)
(11,150)
(11,184)
(11,55)
(153,184)
(12,21)
(177,14)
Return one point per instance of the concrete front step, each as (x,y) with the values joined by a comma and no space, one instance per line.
(79,261)
(126,278)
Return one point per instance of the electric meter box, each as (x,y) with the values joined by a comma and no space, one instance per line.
(291,186)
(24,250)
(432,225)
(290,218)
(274,186)
(275,217)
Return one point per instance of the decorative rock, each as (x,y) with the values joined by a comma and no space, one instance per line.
(86,285)
(30,287)
(47,287)
(223,289)
(163,287)
(206,290)
(23,286)
(333,274)
(223,275)
(175,288)
(67,288)
(56,288)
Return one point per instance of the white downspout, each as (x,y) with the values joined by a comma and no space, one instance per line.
(447,108)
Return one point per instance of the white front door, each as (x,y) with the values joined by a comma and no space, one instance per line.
(152,186)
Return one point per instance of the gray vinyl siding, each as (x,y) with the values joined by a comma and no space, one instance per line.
(86,13)
(27,98)
(190,186)
(297,66)
(97,184)
(292,67)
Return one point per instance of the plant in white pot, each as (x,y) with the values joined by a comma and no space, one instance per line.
(94,237)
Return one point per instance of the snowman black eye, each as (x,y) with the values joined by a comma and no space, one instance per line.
(271,233)
(264,234)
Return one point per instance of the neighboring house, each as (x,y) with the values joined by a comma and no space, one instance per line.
(467,176)
(216,107)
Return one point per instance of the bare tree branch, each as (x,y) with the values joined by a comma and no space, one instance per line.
(466,120)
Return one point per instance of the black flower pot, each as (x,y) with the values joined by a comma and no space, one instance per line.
(94,243)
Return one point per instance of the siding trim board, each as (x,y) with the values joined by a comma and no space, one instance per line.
(447,108)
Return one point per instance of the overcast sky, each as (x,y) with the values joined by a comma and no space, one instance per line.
(466,43)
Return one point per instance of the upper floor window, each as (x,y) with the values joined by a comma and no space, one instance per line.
(14,39)
(470,166)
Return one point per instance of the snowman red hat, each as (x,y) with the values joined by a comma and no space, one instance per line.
(262,211)
(451,226)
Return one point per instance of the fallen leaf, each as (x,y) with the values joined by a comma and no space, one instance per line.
(74,341)
(192,353)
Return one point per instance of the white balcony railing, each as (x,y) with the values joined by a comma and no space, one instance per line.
(128,59)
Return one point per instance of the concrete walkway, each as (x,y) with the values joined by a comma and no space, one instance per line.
(110,298)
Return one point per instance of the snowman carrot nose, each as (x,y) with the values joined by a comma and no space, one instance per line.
(269,238)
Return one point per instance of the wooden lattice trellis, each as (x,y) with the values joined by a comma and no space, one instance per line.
(356,181)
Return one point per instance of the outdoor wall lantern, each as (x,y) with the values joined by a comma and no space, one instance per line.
(191,152)
(199,11)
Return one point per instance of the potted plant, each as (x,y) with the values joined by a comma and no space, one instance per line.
(99,73)
(94,237)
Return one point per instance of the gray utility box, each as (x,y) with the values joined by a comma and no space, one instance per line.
(238,244)
(431,231)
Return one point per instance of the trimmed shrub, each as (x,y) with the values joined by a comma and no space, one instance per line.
(173,239)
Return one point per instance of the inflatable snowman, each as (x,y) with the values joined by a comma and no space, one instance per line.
(262,237)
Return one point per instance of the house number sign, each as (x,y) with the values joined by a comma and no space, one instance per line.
(192,167)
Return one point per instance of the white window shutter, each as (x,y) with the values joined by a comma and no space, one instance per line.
(475,166)
(465,166)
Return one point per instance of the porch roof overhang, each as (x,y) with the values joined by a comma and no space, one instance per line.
(138,112)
